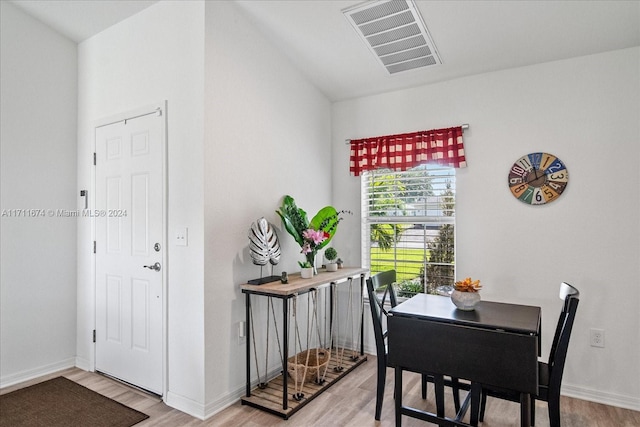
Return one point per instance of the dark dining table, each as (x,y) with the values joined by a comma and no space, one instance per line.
(497,344)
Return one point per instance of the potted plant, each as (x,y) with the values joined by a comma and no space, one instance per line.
(331,254)
(312,235)
(306,270)
(466,294)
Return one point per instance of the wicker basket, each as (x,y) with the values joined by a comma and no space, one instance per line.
(318,361)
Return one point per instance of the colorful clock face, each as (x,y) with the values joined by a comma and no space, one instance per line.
(538,178)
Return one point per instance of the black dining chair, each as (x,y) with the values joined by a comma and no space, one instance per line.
(385,280)
(550,373)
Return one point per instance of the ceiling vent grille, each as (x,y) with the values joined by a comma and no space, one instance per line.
(395,33)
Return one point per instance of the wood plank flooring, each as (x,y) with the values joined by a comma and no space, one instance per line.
(350,403)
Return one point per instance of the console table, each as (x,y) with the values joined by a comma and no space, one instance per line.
(276,390)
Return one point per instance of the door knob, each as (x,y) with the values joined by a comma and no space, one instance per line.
(155,266)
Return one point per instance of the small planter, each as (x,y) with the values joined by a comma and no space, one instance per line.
(465,301)
(306,273)
(331,255)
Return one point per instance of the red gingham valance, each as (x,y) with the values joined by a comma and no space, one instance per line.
(407,150)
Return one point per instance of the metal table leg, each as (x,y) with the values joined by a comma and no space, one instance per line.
(248,334)
(285,353)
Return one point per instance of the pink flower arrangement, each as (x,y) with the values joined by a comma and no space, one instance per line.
(312,238)
(312,235)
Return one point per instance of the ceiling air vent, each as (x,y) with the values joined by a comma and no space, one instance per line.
(393,30)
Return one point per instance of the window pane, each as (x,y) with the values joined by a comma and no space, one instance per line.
(408,225)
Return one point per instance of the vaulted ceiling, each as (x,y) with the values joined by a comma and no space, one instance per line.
(471,37)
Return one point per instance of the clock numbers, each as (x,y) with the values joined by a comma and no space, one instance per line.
(559,177)
(525,163)
(518,171)
(549,193)
(535,159)
(538,178)
(538,197)
(518,189)
(546,160)
(527,194)
(554,167)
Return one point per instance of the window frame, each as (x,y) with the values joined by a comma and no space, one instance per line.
(430,211)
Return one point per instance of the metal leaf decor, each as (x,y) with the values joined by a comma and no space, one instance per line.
(263,243)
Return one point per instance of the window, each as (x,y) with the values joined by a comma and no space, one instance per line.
(408,224)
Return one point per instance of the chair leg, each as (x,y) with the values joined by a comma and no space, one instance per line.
(455,387)
(533,411)
(398,393)
(483,405)
(554,411)
(382,376)
(424,386)
(438,384)
(476,398)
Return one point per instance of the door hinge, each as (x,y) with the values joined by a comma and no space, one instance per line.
(94,159)
(94,335)
(94,246)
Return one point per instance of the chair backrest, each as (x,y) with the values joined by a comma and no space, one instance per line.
(560,345)
(384,280)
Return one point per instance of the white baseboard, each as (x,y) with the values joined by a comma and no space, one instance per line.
(224,402)
(200,411)
(83,364)
(233,396)
(186,405)
(597,396)
(29,374)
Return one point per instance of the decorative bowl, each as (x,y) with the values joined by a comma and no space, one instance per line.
(465,301)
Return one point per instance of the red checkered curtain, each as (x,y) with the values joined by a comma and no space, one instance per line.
(405,151)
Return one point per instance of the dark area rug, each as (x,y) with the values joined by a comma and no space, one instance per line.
(62,402)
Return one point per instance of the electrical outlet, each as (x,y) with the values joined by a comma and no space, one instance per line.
(242,332)
(597,337)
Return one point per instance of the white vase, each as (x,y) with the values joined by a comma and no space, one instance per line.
(465,301)
(332,266)
(306,273)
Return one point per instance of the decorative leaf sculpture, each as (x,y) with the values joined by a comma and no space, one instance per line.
(263,243)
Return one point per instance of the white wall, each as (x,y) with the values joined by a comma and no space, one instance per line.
(38,171)
(267,134)
(156,55)
(587,112)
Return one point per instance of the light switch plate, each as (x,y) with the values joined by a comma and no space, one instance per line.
(182,236)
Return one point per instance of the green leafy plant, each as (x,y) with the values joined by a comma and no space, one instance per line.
(408,288)
(310,235)
(305,264)
(331,254)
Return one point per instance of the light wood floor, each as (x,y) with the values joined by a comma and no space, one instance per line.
(350,402)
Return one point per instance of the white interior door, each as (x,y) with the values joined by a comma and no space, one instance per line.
(130,243)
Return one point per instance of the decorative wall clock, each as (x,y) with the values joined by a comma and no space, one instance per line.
(538,178)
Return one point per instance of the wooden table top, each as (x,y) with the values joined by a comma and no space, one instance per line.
(487,314)
(298,285)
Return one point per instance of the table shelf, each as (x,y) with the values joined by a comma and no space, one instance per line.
(277,396)
(270,398)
